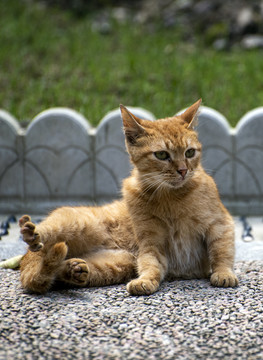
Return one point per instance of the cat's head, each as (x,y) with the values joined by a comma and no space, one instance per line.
(166,152)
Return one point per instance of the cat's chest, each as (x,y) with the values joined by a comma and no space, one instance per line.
(184,243)
(184,234)
(186,248)
(183,223)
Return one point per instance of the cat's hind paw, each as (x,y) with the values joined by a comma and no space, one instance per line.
(142,286)
(76,271)
(224,278)
(23,220)
(29,235)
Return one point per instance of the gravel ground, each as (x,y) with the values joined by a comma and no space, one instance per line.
(184,320)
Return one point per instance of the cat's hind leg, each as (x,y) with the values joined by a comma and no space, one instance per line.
(30,236)
(41,263)
(104,267)
(39,269)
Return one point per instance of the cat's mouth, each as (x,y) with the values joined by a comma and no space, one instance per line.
(178,181)
(175,183)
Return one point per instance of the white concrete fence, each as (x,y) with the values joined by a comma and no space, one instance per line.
(60,159)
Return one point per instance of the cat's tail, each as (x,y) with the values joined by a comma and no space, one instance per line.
(39,269)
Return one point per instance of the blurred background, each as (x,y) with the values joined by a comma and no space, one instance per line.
(162,55)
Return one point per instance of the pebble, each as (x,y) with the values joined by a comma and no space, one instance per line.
(183,320)
(252,42)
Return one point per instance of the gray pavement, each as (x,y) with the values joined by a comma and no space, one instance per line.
(183,320)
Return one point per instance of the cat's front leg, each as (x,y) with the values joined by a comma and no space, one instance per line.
(143,286)
(223,277)
(152,267)
(221,250)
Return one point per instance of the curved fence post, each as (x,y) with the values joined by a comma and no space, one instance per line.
(249,161)
(11,162)
(217,142)
(58,158)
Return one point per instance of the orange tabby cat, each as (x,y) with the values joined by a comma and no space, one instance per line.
(170,222)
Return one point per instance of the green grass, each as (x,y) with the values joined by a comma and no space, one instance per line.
(50,58)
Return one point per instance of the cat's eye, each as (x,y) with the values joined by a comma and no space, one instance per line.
(162,155)
(190,153)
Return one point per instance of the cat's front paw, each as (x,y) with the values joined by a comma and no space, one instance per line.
(142,286)
(76,272)
(224,278)
(30,236)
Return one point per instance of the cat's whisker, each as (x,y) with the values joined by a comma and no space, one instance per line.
(155,191)
(151,182)
(208,171)
(146,186)
(151,186)
(150,176)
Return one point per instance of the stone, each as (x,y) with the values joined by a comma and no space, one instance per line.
(120,14)
(244,17)
(252,42)
(220,44)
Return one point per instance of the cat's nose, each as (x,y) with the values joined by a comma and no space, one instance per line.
(182,172)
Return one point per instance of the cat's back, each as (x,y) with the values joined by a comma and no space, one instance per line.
(108,225)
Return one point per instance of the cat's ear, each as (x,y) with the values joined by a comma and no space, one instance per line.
(190,114)
(131,124)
